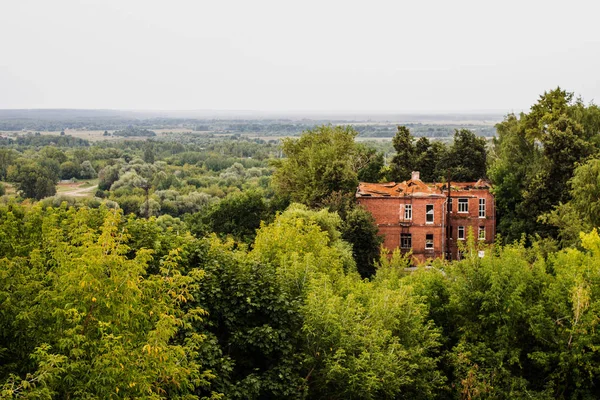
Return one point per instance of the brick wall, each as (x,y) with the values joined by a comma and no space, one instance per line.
(389,214)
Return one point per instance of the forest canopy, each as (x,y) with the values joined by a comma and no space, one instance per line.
(202,266)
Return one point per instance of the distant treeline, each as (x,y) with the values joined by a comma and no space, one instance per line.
(134,131)
(38,140)
(56,122)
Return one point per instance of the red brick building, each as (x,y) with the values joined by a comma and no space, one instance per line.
(426,218)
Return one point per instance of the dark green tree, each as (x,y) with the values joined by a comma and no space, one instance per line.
(429,157)
(238,215)
(69,170)
(466,158)
(34,180)
(403,162)
(370,163)
(360,230)
(534,157)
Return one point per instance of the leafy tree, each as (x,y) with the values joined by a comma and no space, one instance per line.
(98,326)
(7,158)
(320,162)
(534,159)
(371,164)
(69,170)
(34,180)
(581,213)
(429,158)
(403,162)
(107,176)
(149,153)
(87,170)
(255,321)
(466,158)
(360,230)
(238,214)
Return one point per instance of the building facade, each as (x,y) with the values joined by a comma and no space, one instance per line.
(427,218)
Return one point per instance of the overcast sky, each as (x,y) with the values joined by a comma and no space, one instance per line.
(376,56)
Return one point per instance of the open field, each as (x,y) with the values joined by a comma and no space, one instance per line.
(85,188)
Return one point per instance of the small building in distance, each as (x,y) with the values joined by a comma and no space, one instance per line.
(427,218)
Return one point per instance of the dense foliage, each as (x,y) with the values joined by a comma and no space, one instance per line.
(463,161)
(534,158)
(196,267)
(98,305)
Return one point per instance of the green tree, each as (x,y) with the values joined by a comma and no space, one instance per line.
(98,326)
(107,176)
(149,153)
(403,162)
(534,158)
(581,213)
(360,230)
(7,158)
(87,170)
(371,164)
(256,322)
(322,161)
(34,180)
(69,170)
(466,158)
(238,214)
(429,157)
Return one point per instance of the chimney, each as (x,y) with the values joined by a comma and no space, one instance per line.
(415,176)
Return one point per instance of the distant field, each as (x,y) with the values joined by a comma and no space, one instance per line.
(84,188)
(99,135)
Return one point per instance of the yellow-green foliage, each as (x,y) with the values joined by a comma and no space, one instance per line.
(97,324)
(302,243)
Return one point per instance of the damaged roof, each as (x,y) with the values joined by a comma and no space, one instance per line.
(414,188)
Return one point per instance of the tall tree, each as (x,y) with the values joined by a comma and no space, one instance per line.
(466,158)
(403,162)
(429,157)
(322,161)
(535,156)
(35,181)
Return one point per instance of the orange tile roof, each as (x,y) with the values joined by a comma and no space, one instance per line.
(413,187)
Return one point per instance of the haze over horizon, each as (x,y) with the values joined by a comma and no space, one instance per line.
(310,57)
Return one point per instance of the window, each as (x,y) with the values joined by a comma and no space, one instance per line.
(450,232)
(450,204)
(429,214)
(429,241)
(482,208)
(463,205)
(408,211)
(461,233)
(481,235)
(405,241)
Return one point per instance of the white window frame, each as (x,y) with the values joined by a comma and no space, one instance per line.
(482,207)
(459,236)
(481,233)
(427,242)
(405,236)
(427,214)
(463,201)
(408,211)
(449,204)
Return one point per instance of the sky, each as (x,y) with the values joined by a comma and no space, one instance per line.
(372,56)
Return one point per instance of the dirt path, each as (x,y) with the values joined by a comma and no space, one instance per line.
(80,192)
